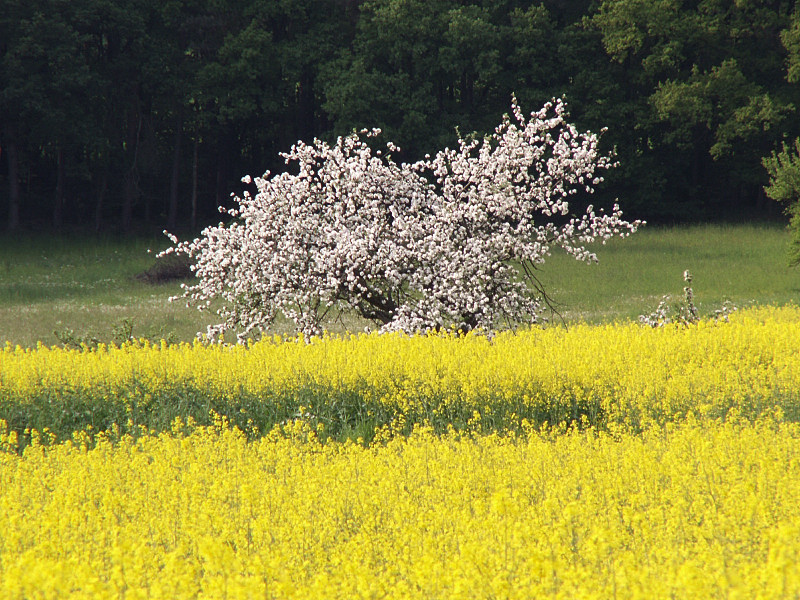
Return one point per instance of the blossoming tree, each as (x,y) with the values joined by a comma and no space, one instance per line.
(450,241)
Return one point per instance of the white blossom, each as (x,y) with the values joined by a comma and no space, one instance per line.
(449,241)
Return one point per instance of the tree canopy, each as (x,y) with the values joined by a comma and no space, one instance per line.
(143,112)
(451,241)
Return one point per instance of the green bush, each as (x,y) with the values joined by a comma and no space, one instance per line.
(784,186)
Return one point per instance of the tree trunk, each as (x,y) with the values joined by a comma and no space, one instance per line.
(218,188)
(58,207)
(99,199)
(194,182)
(128,198)
(305,125)
(134,126)
(13,178)
(172,211)
(221,184)
(466,91)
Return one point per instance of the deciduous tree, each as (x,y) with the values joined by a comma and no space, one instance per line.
(453,240)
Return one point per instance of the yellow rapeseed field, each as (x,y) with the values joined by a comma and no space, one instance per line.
(623,373)
(613,461)
(680,511)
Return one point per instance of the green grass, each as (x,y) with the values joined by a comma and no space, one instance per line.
(745,264)
(86,284)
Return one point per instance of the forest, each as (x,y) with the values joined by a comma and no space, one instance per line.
(118,115)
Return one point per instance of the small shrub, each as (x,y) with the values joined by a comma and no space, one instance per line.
(174,267)
(121,332)
(784,186)
(684,312)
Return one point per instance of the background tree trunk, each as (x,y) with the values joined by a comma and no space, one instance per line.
(58,206)
(172,211)
(13,178)
(128,199)
(132,149)
(99,199)
(193,222)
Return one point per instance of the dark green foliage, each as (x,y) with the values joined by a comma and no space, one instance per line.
(705,94)
(791,40)
(114,114)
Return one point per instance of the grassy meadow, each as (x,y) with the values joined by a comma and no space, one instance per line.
(87,285)
(743,263)
(606,459)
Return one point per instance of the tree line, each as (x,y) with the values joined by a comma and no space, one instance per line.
(122,113)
